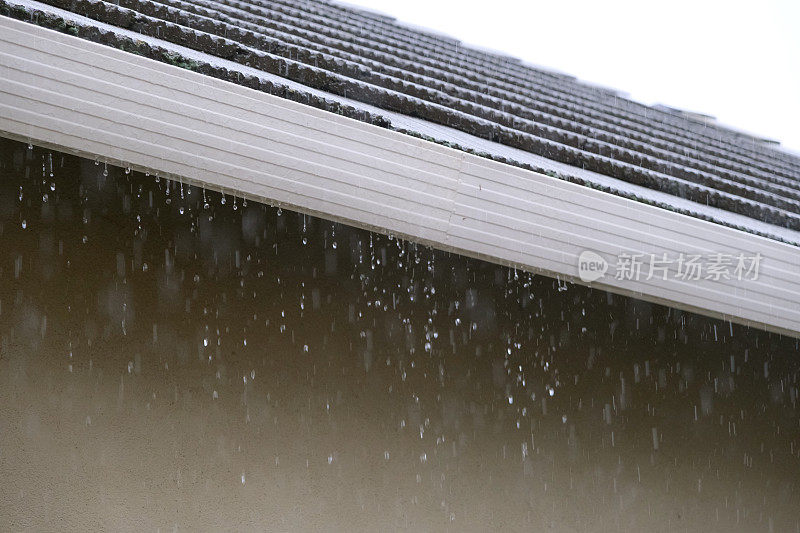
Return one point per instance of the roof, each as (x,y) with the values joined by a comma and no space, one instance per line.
(354,118)
(370,67)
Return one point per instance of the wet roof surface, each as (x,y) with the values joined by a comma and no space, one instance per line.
(374,69)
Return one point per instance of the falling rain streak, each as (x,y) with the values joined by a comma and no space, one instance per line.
(174,356)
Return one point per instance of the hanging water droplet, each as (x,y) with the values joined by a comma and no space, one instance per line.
(24,223)
(52,185)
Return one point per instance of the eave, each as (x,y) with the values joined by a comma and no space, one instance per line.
(74,95)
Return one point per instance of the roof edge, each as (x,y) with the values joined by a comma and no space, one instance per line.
(62,91)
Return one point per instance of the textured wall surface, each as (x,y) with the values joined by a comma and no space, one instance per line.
(174,358)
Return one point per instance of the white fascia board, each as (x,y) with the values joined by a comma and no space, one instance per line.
(78,96)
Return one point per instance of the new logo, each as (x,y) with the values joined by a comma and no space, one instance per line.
(591,266)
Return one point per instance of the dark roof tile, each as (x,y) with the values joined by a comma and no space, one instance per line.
(372,59)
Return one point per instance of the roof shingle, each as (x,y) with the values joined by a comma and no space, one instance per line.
(372,60)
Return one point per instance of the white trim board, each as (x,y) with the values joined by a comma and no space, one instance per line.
(82,97)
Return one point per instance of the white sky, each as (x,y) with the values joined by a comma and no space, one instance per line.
(738,61)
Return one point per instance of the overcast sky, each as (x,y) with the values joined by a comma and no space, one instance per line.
(738,61)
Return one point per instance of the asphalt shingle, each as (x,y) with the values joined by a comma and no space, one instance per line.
(372,68)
